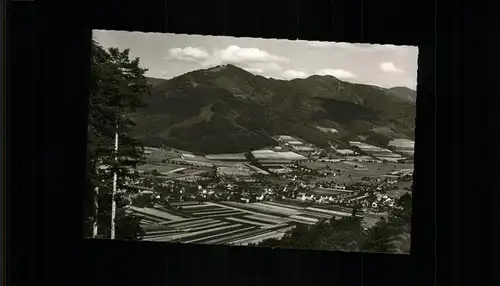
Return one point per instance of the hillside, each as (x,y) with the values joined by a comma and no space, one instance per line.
(404,93)
(155,81)
(227,109)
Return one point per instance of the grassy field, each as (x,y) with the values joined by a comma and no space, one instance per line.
(351,172)
(158,155)
(314,165)
(325,192)
(161,168)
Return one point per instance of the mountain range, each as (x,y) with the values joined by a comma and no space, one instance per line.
(404,93)
(227,109)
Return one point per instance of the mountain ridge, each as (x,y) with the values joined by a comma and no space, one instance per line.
(228,109)
(404,93)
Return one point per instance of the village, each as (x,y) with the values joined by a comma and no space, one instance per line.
(248,197)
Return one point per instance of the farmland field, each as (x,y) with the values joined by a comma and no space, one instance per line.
(161,168)
(155,155)
(228,222)
(302,205)
(155,213)
(356,170)
(326,192)
(314,165)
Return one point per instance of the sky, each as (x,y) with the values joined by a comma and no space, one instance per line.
(170,55)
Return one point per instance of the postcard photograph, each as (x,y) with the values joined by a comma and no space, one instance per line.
(253,142)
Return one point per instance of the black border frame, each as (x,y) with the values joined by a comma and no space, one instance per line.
(360,28)
(61,105)
(3,173)
(21,70)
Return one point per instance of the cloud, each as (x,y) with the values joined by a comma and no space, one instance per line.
(338,73)
(163,73)
(254,70)
(188,54)
(265,67)
(237,55)
(249,58)
(390,68)
(291,74)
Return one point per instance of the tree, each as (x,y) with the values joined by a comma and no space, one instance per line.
(379,238)
(356,211)
(142,200)
(129,228)
(344,234)
(392,235)
(117,87)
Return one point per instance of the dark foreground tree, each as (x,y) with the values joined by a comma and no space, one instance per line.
(391,235)
(343,234)
(126,225)
(117,85)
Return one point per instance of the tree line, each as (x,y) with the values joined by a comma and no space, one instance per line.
(117,86)
(391,235)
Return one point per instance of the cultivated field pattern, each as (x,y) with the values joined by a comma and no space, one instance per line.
(226,222)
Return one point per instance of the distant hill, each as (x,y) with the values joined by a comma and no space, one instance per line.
(404,93)
(155,81)
(227,109)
